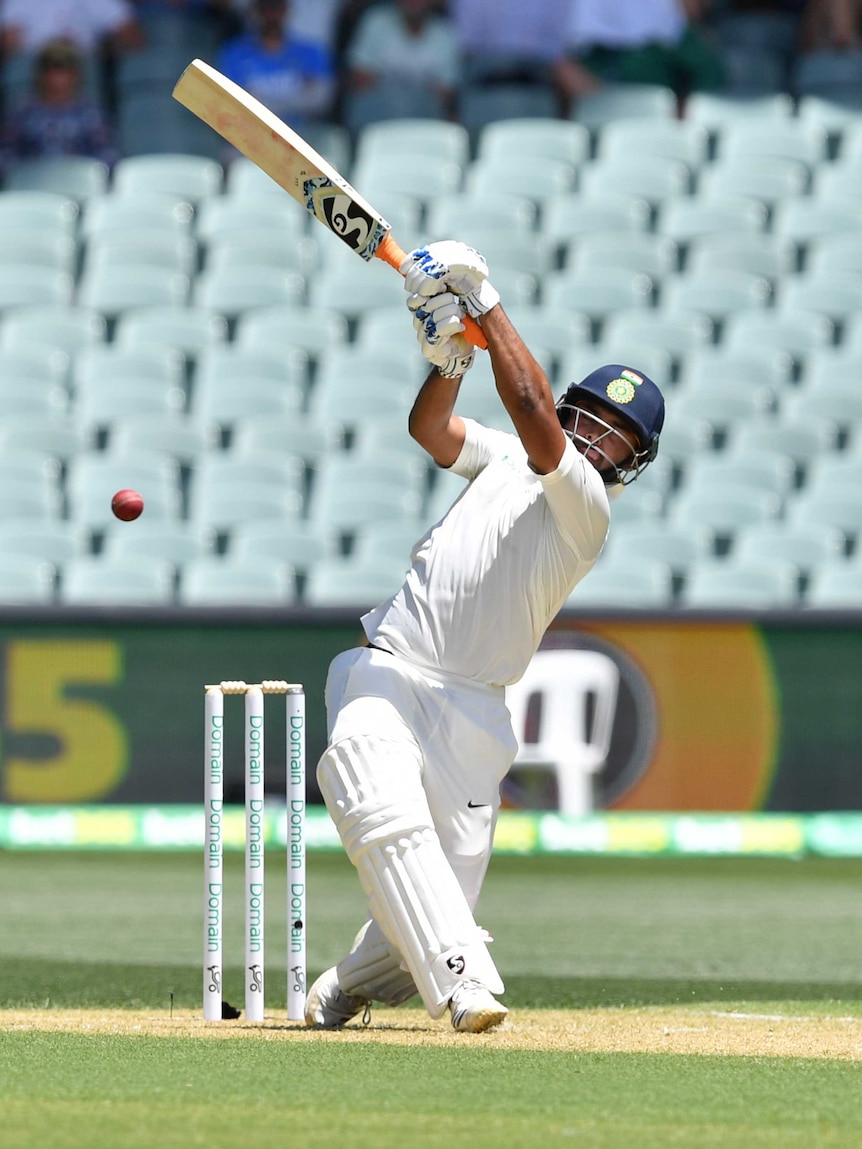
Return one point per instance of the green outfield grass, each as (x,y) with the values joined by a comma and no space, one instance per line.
(123,930)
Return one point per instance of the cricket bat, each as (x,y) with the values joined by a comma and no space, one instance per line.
(285,156)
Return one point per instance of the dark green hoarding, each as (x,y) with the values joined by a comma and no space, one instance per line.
(713,713)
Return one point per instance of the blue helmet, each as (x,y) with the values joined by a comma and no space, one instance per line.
(636,398)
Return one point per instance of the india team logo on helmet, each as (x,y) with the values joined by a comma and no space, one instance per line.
(622,390)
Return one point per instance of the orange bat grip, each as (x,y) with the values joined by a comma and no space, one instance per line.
(391,253)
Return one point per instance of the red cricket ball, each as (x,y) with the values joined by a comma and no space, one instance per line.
(127,505)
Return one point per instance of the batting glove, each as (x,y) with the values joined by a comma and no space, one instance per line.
(438,323)
(453,265)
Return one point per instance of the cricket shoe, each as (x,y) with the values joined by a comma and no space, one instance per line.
(474,1008)
(329,1007)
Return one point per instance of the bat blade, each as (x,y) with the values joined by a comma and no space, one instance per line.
(259,135)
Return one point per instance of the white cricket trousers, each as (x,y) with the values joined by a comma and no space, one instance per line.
(411,778)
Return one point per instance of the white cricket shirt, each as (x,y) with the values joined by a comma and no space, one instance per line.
(488,579)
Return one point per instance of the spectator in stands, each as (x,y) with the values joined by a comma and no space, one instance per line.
(629,41)
(92,25)
(405,51)
(57,121)
(830,58)
(758,41)
(293,77)
(510,41)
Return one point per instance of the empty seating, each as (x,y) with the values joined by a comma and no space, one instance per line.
(136,580)
(232,582)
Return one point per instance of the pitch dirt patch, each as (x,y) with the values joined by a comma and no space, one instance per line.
(647,1030)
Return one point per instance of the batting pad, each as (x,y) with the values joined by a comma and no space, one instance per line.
(372,788)
(373,969)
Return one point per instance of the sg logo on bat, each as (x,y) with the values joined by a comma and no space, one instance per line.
(335,208)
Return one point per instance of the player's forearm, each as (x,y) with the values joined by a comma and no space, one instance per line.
(433,423)
(525,391)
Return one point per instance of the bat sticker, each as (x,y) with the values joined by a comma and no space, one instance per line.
(335,208)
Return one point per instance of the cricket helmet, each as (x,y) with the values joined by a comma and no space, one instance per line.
(632,395)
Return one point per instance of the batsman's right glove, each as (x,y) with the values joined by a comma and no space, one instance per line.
(438,320)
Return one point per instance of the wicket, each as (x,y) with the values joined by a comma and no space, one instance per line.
(254,846)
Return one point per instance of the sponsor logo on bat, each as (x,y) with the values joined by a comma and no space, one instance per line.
(341,214)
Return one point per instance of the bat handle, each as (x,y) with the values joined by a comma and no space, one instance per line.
(391,253)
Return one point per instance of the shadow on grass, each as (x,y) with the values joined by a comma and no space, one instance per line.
(27,984)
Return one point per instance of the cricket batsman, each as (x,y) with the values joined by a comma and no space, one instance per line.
(419,737)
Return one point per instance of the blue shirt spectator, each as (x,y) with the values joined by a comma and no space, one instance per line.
(293,78)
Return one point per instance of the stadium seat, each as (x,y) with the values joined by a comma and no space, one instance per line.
(421,177)
(674,332)
(801,438)
(150,247)
(838,296)
(677,546)
(33,364)
(648,585)
(277,330)
(834,255)
(225,216)
(551,138)
(780,138)
(77,177)
(367,498)
(44,210)
(297,544)
(224,511)
(190,177)
(149,121)
(233,290)
(832,508)
(459,214)
(54,542)
(387,541)
(546,327)
(294,434)
(97,406)
(23,284)
(723,512)
(342,582)
(618,101)
(175,434)
(795,333)
(689,218)
(108,362)
(355,287)
(654,361)
(804,546)
(763,255)
(188,329)
(131,213)
(806,220)
(632,137)
(839,117)
(446,141)
(730,584)
(37,248)
(597,292)
(655,179)
(231,582)
(835,587)
(260,247)
(719,368)
(570,217)
(219,401)
(63,327)
(715,110)
(841,406)
(730,470)
(25,580)
(60,437)
(652,255)
(510,175)
(136,580)
(723,407)
(769,179)
(351,381)
(390,99)
(715,293)
(171,541)
(112,289)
